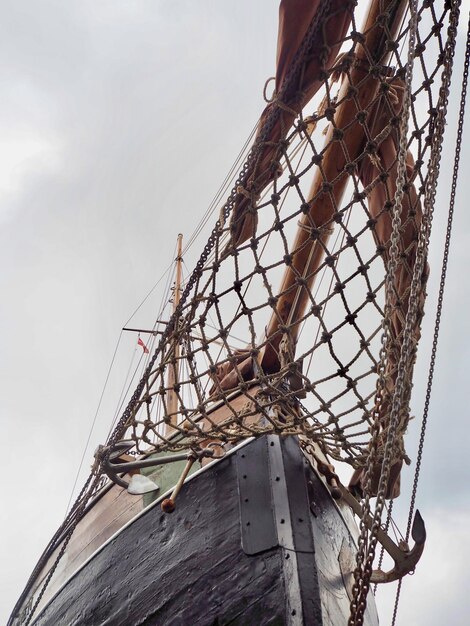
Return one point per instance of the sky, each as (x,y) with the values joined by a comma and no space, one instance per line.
(118,121)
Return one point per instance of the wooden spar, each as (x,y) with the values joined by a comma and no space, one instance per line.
(143,330)
(307,254)
(171,396)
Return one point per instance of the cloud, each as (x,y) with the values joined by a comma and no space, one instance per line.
(119,119)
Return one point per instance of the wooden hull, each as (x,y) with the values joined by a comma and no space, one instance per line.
(256,539)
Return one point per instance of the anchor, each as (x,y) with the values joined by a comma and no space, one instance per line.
(405,560)
(112,464)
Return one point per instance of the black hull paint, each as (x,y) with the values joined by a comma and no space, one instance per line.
(255,539)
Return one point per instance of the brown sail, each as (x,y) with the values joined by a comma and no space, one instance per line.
(224,420)
(373,143)
(379,173)
(294,88)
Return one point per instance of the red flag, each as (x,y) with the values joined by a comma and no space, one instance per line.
(142,345)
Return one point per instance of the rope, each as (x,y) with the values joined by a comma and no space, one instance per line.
(195,276)
(90,432)
(338,298)
(368,541)
(220,192)
(440,301)
(226,210)
(95,417)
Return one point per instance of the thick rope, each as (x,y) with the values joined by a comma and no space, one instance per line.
(340,337)
(440,301)
(79,507)
(368,541)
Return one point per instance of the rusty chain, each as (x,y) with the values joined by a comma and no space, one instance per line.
(363,570)
(367,541)
(129,418)
(67,528)
(440,300)
(274,114)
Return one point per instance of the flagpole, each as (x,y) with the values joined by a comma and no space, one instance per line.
(172,403)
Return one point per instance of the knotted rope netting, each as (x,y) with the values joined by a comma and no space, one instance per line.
(286,325)
(286,309)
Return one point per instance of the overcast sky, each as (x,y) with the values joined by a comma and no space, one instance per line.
(118,121)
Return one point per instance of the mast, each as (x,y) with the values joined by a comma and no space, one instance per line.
(172,404)
(307,258)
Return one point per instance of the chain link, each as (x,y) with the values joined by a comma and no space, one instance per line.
(440,300)
(289,95)
(78,509)
(368,541)
(272,118)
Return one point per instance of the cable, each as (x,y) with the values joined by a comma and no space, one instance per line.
(93,423)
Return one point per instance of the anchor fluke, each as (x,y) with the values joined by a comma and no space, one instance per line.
(404,558)
(418,530)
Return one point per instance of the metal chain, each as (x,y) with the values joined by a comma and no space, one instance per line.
(367,541)
(382,549)
(79,511)
(48,551)
(272,118)
(202,265)
(440,301)
(364,570)
(445,261)
(76,513)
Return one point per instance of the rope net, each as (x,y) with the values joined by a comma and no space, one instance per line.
(302,315)
(279,328)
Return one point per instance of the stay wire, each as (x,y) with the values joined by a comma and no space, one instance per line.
(92,482)
(103,391)
(129,386)
(220,192)
(124,390)
(85,450)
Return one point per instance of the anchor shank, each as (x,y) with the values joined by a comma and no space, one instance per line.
(390,546)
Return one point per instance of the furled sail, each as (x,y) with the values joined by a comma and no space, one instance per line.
(303,251)
(378,174)
(302,315)
(310,36)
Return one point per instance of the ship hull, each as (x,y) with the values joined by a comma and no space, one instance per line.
(255,539)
